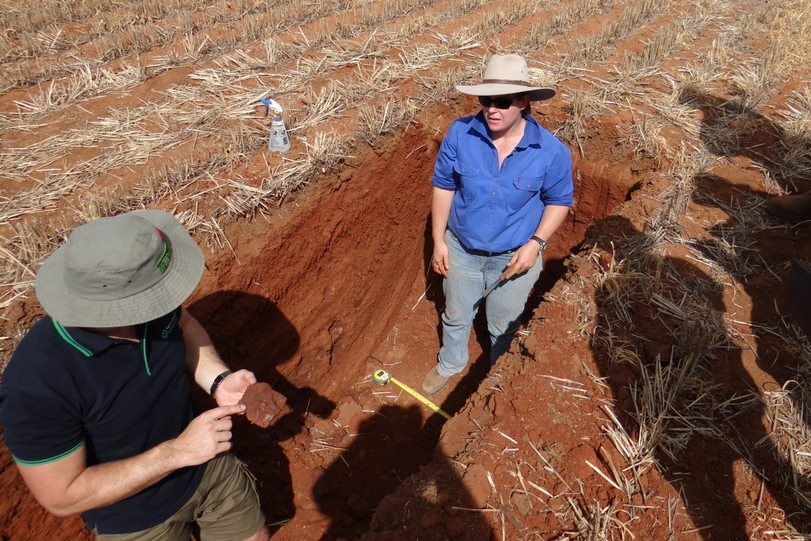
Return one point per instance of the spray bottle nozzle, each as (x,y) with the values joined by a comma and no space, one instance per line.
(269,104)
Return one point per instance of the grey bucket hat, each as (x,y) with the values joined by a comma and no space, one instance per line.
(118,271)
(506,74)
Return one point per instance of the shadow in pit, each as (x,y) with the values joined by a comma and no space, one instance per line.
(390,447)
(251,332)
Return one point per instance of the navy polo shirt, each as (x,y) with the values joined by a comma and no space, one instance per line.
(65,388)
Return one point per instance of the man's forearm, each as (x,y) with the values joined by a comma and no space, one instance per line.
(104,484)
(69,485)
(202,359)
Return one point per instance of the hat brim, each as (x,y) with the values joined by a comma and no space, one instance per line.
(536,93)
(182,278)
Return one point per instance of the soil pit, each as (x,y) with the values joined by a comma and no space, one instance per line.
(341,288)
(334,287)
(552,443)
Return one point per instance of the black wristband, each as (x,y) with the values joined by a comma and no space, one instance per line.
(217,382)
(540,241)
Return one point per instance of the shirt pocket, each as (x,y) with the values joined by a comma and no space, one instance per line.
(465,171)
(528,184)
(472,183)
(522,190)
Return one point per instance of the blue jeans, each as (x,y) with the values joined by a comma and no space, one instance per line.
(468,277)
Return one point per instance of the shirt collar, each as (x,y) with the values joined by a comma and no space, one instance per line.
(88,343)
(532,131)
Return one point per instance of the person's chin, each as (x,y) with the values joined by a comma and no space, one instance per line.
(494,124)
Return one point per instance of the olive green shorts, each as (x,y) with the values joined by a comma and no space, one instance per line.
(225,507)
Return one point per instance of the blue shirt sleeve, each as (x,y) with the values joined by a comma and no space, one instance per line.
(558,187)
(444,177)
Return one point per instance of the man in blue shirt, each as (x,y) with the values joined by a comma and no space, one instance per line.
(502,187)
(95,402)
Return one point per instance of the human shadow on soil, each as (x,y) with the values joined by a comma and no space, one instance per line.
(389,447)
(772,309)
(668,378)
(756,269)
(732,127)
(719,404)
(251,332)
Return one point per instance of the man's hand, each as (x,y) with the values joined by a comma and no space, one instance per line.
(208,435)
(523,259)
(232,388)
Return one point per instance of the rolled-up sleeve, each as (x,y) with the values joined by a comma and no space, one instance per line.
(444,177)
(558,187)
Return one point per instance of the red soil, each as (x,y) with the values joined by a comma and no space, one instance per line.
(335,284)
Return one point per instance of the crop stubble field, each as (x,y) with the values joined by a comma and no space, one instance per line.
(660,387)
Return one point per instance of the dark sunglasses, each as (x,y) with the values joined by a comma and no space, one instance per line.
(501,102)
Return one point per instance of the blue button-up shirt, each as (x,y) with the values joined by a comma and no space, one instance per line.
(498,209)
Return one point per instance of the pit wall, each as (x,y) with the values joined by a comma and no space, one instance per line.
(322,288)
(306,295)
(339,286)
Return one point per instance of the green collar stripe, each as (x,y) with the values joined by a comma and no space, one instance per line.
(143,350)
(63,332)
(65,335)
(48,460)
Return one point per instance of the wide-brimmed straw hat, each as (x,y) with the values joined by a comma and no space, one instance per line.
(120,271)
(506,74)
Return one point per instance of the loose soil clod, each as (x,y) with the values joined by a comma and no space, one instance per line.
(263,404)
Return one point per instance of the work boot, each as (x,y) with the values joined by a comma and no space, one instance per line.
(433,382)
(790,208)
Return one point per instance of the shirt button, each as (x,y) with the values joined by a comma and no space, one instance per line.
(494,193)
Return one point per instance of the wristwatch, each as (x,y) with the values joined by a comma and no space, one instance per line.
(540,241)
(219,379)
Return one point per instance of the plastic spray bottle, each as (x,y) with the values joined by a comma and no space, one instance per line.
(278,141)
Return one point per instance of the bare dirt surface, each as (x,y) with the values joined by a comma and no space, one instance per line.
(650,393)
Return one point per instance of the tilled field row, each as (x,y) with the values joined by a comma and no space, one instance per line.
(221,86)
(190,37)
(142,144)
(195,128)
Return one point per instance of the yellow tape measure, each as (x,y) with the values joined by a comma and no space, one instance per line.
(381,377)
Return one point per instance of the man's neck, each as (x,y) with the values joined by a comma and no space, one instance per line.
(117,333)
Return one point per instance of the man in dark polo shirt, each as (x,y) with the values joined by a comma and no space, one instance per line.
(95,402)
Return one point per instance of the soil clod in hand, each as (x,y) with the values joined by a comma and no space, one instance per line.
(263,404)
